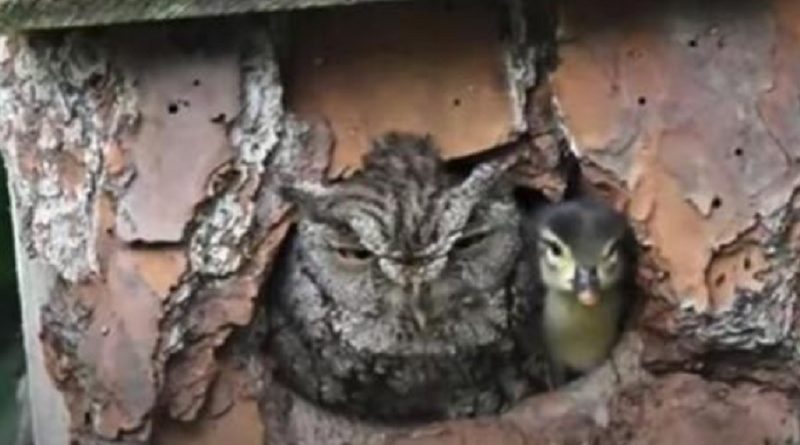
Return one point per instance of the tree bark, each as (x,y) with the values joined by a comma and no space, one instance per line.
(145,172)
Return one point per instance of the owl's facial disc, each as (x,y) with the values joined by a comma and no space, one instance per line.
(414,292)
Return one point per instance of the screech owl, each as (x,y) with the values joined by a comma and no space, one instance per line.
(395,299)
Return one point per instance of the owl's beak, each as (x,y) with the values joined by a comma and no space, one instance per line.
(418,307)
(420,319)
(586,286)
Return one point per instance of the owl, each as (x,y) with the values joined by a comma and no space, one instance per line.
(395,296)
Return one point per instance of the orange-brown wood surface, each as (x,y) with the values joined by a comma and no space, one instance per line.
(145,174)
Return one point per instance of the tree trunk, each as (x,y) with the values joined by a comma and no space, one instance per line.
(144,173)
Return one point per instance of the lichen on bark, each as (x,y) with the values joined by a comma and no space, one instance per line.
(137,318)
(61,105)
(229,234)
(255,132)
(637,102)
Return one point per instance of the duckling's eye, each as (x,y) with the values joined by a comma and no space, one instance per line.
(553,253)
(554,249)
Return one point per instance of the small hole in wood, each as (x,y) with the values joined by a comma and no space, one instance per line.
(720,280)
(456,102)
(218,119)
(747,263)
(172,108)
(693,43)
(196,82)
(641,101)
(738,151)
(716,202)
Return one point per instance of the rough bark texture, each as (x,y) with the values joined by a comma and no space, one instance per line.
(145,176)
(147,290)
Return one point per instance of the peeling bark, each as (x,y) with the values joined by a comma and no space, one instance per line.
(711,192)
(62,105)
(151,191)
(145,296)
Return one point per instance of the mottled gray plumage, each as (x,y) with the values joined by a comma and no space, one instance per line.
(396,297)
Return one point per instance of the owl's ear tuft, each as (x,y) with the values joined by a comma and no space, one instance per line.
(306,195)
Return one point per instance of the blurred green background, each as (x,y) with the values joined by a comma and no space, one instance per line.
(11,351)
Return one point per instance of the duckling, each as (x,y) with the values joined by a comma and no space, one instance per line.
(584,263)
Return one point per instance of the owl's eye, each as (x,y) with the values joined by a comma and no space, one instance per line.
(470,240)
(353,253)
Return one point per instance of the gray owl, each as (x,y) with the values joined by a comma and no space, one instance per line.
(395,298)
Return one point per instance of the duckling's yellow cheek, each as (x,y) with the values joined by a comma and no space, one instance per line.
(551,274)
(566,274)
(563,272)
(609,274)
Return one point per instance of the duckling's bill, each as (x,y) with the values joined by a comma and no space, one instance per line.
(586,284)
(588,297)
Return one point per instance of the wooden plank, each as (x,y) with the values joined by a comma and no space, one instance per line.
(36,281)
(24,15)
(427,68)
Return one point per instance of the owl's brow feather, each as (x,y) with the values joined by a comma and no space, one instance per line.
(365,217)
(372,220)
(394,213)
(404,199)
